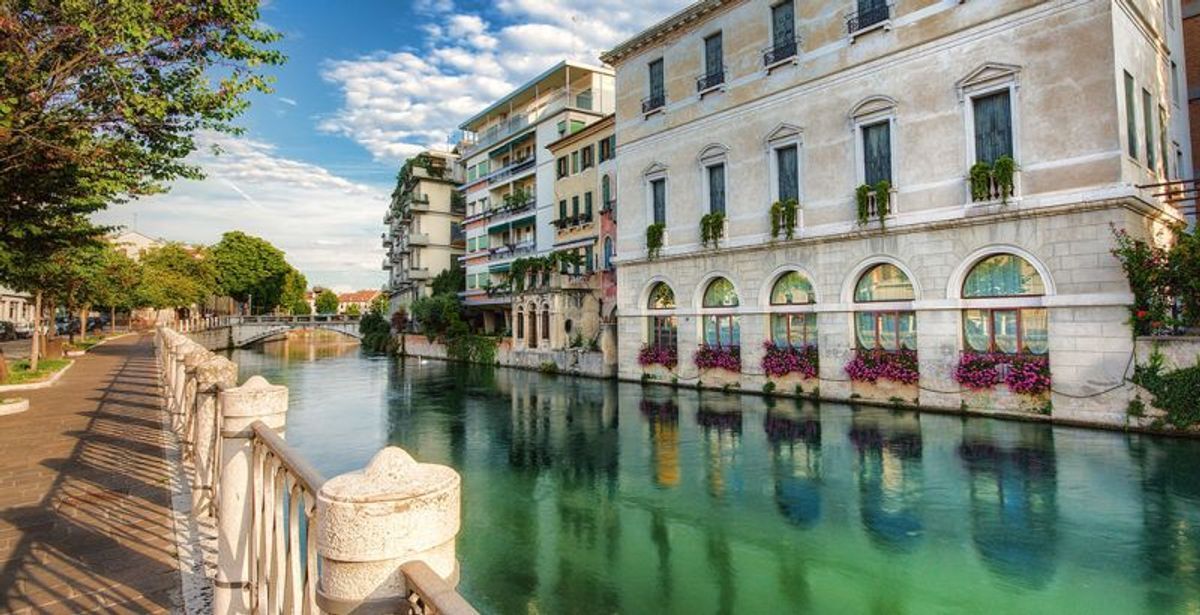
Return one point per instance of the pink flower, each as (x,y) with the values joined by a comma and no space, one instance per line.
(710,357)
(873,365)
(777,361)
(657,355)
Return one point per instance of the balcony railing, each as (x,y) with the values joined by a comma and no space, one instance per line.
(654,102)
(868,16)
(418,239)
(573,221)
(784,49)
(509,171)
(711,80)
(505,129)
(511,250)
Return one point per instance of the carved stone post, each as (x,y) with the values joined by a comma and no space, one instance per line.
(194,357)
(241,407)
(212,375)
(372,521)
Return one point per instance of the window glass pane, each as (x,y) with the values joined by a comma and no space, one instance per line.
(779,332)
(792,288)
(908,330)
(864,327)
(1148,128)
(1003,275)
(656,78)
(661,297)
(993,127)
(884,283)
(716,189)
(720,293)
(605,190)
(1004,328)
(810,329)
(887,331)
(713,54)
(710,330)
(659,189)
(796,337)
(786,163)
(1130,115)
(735,331)
(877,153)
(1035,330)
(975,330)
(783,22)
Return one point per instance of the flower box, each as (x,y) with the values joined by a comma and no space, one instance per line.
(716,357)
(998,381)
(787,367)
(880,376)
(658,355)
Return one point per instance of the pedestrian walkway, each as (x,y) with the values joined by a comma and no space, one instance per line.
(85,509)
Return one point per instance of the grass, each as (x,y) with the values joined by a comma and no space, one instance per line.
(18,371)
(87,342)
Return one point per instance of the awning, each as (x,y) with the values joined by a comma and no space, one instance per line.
(576,243)
(526,221)
(500,267)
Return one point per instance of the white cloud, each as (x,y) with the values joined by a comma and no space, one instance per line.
(396,103)
(328,225)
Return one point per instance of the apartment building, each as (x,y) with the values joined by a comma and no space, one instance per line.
(561,302)
(857,197)
(425,233)
(509,178)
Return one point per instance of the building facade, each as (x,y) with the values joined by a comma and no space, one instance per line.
(564,301)
(510,178)
(424,234)
(862,199)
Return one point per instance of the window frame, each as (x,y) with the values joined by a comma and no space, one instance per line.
(1148,107)
(990,323)
(1131,132)
(877,317)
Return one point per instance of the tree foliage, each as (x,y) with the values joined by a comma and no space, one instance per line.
(175,276)
(101,101)
(293,300)
(449,281)
(249,268)
(327,302)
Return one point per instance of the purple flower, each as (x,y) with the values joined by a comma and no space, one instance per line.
(873,365)
(1025,374)
(657,355)
(712,357)
(779,361)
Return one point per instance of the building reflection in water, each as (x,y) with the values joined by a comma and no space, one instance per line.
(720,419)
(303,345)
(888,445)
(1170,541)
(794,435)
(662,416)
(1013,507)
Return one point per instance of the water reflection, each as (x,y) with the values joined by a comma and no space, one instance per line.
(889,476)
(590,496)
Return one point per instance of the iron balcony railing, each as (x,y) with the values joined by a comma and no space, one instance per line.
(867,16)
(783,49)
(710,80)
(654,101)
(515,168)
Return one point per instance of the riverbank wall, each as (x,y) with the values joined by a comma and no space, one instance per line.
(576,362)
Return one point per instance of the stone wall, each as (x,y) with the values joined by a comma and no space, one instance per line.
(575,362)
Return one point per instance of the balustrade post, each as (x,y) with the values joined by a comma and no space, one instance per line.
(372,521)
(192,359)
(212,376)
(179,385)
(241,407)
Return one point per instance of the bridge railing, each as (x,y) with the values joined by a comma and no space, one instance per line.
(379,540)
(211,322)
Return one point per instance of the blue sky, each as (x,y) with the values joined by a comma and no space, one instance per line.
(367,83)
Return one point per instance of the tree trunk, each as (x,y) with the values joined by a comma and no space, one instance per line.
(70,315)
(35,346)
(112,320)
(83,324)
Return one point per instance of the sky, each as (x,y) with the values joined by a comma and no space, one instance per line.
(367,84)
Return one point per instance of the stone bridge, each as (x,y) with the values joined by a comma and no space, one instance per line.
(223,332)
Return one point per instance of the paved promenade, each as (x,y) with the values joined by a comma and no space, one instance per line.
(85,518)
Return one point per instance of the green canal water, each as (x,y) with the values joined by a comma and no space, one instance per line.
(585,496)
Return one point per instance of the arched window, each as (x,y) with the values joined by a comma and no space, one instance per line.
(608,253)
(721,328)
(795,330)
(889,330)
(1007,330)
(546,322)
(664,332)
(520,325)
(533,336)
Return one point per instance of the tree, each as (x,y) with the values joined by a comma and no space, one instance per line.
(449,281)
(250,269)
(327,302)
(101,101)
(438,316)
(294,288)
(119,277)
(176,276)
(354,310)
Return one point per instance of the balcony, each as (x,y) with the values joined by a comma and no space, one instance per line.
(710,81)
(783,50)
(418,239)
(869,15)
(511,250)
(512,170)
(573,221)
(654,102)
(387,265)
(513,125)
(386,239)
(418,273)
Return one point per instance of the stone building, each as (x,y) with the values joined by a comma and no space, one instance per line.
(425,234)
(510,176)
(566,306)
(901,186)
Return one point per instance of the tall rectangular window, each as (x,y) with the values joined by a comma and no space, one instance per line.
(783,24)
(658,194)
(656,79)
(588,155)
(574,162)
(575,206)
(787,167)
(877,152)
(1131,116)
(713,56)
(1175,82)
(716,189)
(1162,142)
(587,205)
(993,126)
(562,210)
(1148,129)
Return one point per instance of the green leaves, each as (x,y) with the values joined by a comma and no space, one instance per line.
(712,229)
(654,239)
(327,302)
(783,218)
(249,268)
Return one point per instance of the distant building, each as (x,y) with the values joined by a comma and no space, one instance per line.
(16,307)
(510,177)
(133,243)
(360,298)
(424,235)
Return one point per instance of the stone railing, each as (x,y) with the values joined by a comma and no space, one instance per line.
(212,322)
(379,540)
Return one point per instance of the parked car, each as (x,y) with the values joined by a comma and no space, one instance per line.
(24,330)
(8,331)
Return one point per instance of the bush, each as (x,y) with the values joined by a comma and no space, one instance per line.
(1175,392)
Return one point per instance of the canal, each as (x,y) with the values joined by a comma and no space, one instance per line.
(586,496)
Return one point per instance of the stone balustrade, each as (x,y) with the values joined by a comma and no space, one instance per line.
(379,540)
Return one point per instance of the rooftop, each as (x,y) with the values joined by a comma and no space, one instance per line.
(553,77)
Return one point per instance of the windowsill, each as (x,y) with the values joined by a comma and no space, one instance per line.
(883,25)
(793,60)
(647,114)
(720,87)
